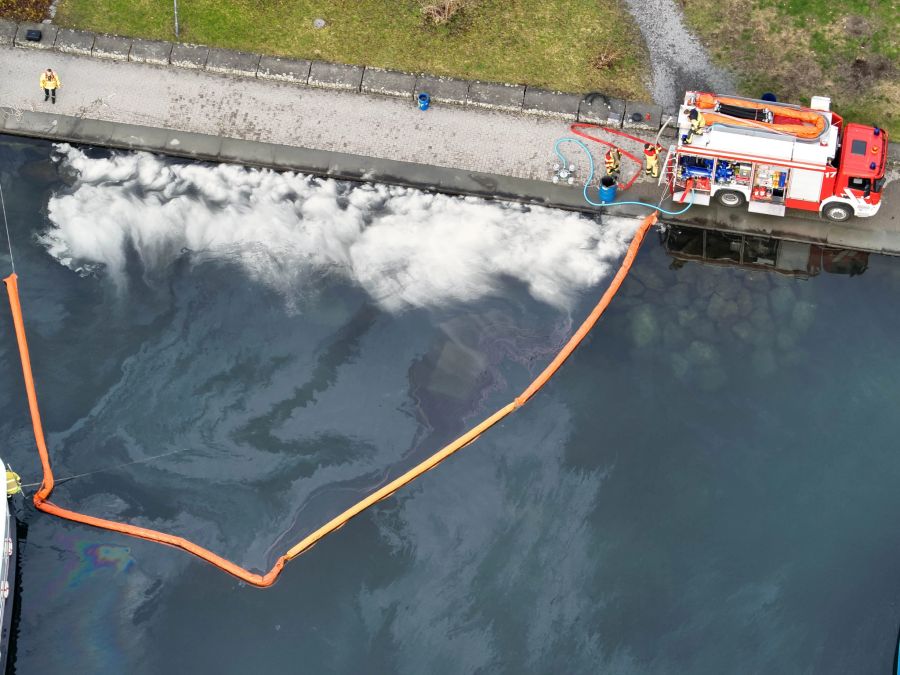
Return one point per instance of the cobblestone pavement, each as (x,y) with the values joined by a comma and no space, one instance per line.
(186,100)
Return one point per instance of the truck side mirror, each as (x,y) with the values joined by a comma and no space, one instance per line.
(867,192)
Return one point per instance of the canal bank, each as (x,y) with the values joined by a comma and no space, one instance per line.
(481,147)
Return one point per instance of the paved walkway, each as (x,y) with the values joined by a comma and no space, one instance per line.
(186,100)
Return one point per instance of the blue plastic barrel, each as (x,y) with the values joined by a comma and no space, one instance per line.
(424,101)
(608,189)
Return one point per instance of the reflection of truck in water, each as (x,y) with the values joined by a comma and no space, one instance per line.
(791,258)
(772,156)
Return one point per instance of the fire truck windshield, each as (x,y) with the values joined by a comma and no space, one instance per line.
(858,147)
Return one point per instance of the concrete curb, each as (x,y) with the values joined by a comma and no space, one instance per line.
(7,33)
(507,97)
(111,47)
(551,103)
(230,62)
(641,116)
(71,41)
(443,89)
(154,52)
(48,35)
(189,56)
(335,76)
(284,70)
(388,83)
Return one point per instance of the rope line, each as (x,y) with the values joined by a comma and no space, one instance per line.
(12,260)
(41,497)
(144,460)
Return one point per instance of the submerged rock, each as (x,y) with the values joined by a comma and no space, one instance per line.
(702,353)
(711,379)
(678,295)
(721,309)
(687,317)
(644,326)
(794,357)
(763,362)
(674,336)
(649,277)
(632,287)
(680,366)
(707,283)
(728,286)
(744,302)
(782,300)
(761,319)
(786,338)
(803,315)
(743,330)
(762,336)
(623,302)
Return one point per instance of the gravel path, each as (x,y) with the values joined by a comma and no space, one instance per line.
(677,59)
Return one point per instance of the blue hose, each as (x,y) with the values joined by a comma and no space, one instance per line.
(562,158)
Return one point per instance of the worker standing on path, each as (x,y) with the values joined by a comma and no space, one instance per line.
(697,124)
(651,155)
(50,83)
(613,159)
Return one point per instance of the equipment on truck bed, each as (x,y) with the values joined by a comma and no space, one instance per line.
(773,156)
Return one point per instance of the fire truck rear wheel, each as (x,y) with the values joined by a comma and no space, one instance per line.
(730,198)
(838,212)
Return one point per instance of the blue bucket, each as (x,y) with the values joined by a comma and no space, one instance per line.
(424,101)
(608,189)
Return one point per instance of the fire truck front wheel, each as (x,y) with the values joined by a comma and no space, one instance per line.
(730,198)
(838,212)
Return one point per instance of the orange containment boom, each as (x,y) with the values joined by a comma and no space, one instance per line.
(267,579)
(807,124)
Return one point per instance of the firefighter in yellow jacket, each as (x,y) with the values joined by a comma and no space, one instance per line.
(651,155)
(50,83)
(698,124)
(613,159)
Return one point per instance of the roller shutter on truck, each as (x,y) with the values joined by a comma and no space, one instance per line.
(805,187)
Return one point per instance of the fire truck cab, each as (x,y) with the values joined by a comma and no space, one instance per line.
(775,156)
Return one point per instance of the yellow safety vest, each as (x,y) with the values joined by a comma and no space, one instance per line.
(13,483)
(48,82)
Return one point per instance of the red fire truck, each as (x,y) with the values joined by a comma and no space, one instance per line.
(774,156)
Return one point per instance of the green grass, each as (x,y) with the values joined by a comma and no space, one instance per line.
(545,43)
(848,50)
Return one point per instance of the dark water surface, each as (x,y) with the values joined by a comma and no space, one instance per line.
(710,485)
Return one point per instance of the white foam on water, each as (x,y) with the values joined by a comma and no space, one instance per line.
(405,247)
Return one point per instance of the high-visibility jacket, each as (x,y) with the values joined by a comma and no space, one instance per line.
(612,160)
(652,152)
(651,155)
(698,123)
(49,81)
